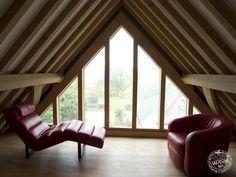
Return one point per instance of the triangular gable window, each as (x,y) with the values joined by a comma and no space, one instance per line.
(125,85)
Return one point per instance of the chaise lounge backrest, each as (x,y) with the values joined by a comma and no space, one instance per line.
(25,122)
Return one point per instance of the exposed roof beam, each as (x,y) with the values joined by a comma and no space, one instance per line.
(225,83)
(50,35)
(217,21)
(31,34)
(211,99)
(15,81)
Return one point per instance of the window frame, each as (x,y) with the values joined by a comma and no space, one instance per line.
(158,57)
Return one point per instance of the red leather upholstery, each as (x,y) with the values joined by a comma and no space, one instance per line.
(192,138)
(37,135)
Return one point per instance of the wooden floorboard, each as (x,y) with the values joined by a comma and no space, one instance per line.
(120,157)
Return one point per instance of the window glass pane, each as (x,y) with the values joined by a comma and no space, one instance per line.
(68,102)
(121,82)
(94,90)
(175,103)
(195,110)
(47,116)
(148,101)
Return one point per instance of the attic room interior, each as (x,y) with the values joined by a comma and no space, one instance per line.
(117,88)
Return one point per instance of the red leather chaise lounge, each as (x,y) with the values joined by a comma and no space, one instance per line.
(191,139)
(38,135)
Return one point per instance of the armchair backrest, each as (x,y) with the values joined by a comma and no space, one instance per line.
(196,122)
(25,122)
(206,121)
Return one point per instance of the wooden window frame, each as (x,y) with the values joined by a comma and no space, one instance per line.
(158,56)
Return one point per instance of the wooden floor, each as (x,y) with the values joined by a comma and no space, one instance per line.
(120,157)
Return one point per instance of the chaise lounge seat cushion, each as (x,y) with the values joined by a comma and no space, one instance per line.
(38,135)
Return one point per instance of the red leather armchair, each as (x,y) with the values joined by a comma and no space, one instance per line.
(191,139)
(37,135)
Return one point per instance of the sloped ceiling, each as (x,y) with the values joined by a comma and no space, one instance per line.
(45,36)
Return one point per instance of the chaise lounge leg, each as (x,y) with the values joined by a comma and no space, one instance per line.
(27,154)
(79,151)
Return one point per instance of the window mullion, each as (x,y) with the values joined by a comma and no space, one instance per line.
(189,107)
(80,95)
(107,82)
(135,82)
(162,100)
(56,111)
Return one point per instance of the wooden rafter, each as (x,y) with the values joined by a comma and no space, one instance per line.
(91,26)
(15,81)
(50,35)
(64,40)
(197,42)
(181,36)
(12,17)
(226,83)
(24,41)
(217,20)
(211,99)
(172,34)
(206,33)
(37,91)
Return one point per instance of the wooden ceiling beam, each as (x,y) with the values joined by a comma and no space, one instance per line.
(170,34)
(226,83)
(78,36)
(50,35)
(226,107)
(12,17)
(206,33)
(11,98)
(18,18)
(231,97)
(37,92)
(175,28)
(15,81)
(24,42)
(64,36)
(211,99)
(202,48)
(217,21)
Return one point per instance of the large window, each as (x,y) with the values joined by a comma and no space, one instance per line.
(120,87)
(175,102)
(47,116)
(68,102)
(121,82)
(94,89)
(195,110)
(148,100)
